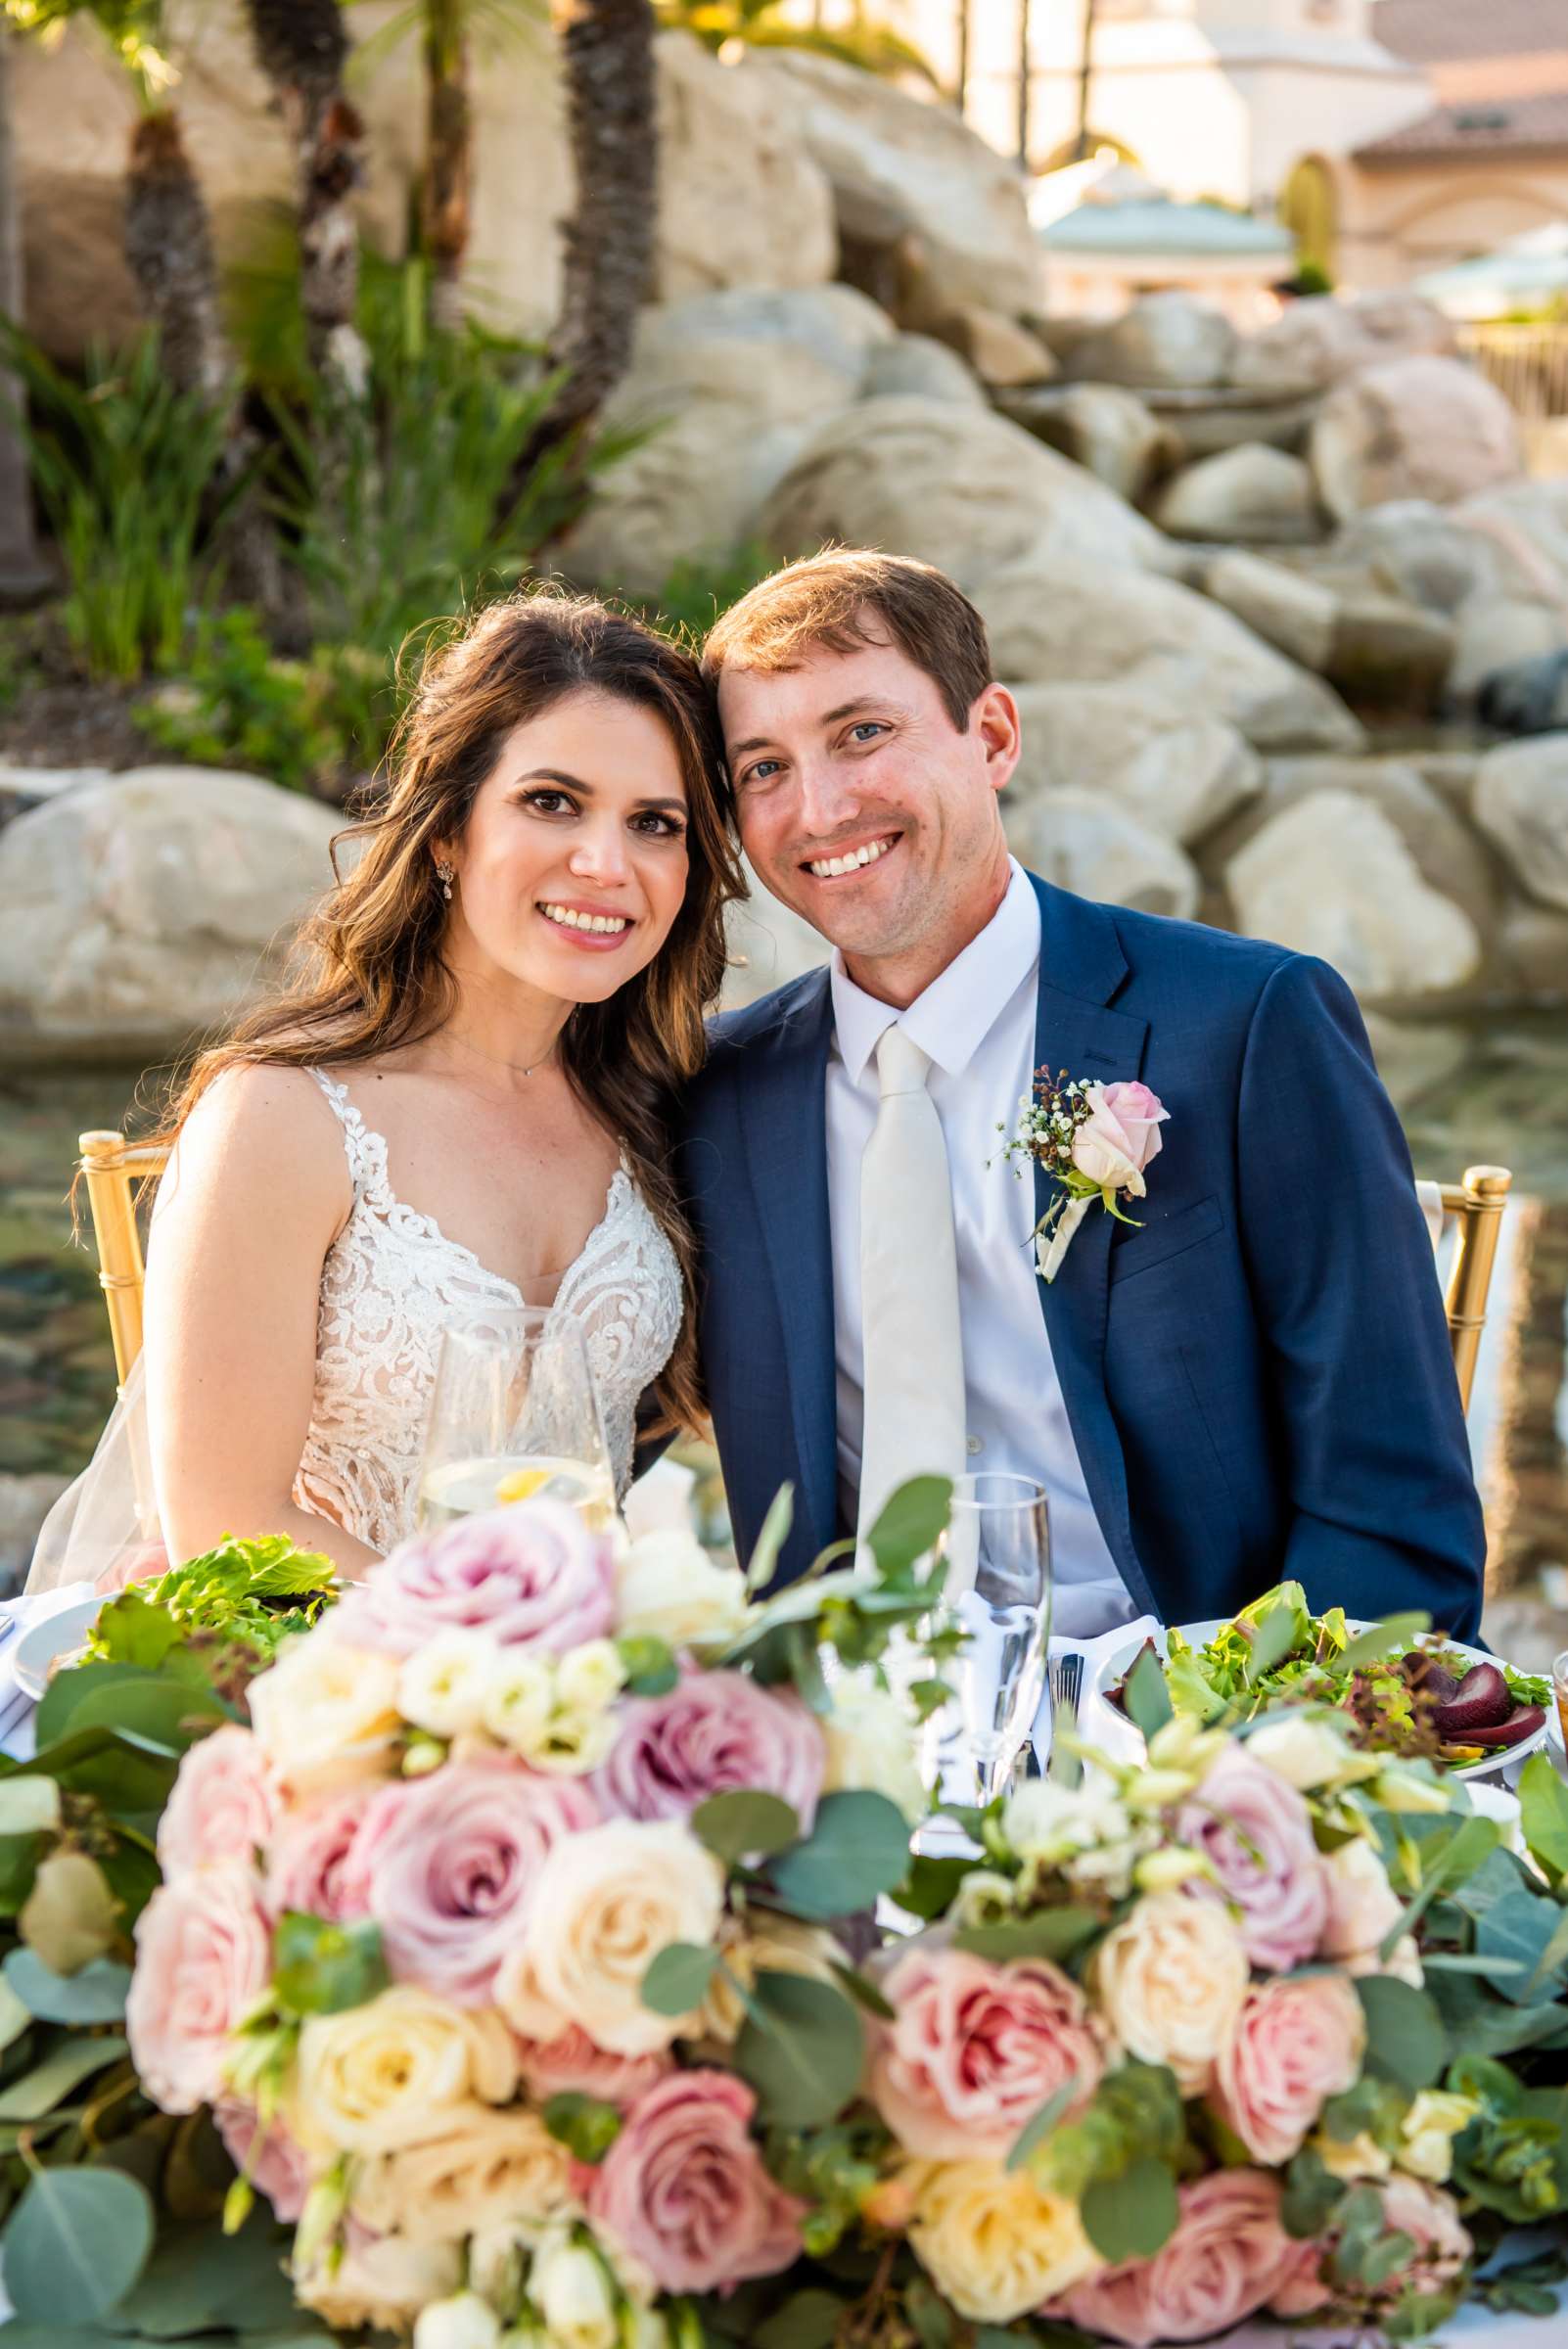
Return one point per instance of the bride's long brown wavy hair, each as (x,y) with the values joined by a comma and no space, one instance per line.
(369,973)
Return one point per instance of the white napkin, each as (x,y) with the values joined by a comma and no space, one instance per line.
(16,1706)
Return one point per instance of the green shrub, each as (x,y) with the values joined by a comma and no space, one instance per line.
(694,594)
(124,464)
(237,704)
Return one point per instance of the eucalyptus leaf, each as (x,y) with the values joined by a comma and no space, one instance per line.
(931,1885)
(1544,1813)
(1147,1697)
(862,1990)
(807,2320)
(320,1967)
(744,1821)
(96,1995)
(586,2125)
(49,2083)
(775,1532)
(1406,2040)
(858,1848)
(1035,2132)
(28,1805)
(14,2015)
(801,2049)
(1132,2216)
(910,1522)
(1521,1929)
(76,2243)
(678,1978)
(1382,1638)
(1049,1933)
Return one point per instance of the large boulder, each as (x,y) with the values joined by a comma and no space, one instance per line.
(1097,849)
(741,203)
(1521,803)
(1253,495)
(741,200)
(144,910)
(1293,612)
(1178,770)
(1057,619)
(921,367)
(1495,638)
(1425,553)
(1389,653)
(1333,876)
(1001,353)
(1168,339)
(968,491)
(730,387)
(1524,526)
(1102,427)
(1316,343)
(1206,422)
(1427,428)
(921,200)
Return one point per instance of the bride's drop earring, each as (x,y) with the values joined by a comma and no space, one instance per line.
(443,874)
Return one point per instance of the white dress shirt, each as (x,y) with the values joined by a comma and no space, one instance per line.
(976,1022)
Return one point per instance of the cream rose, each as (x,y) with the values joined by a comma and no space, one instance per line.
(992,2242)
(384,2282)
(442,1686)
(768,1943)
(667,1588)
(605,1902)
(485,2169)
(464,2321)
(1171,1978)
(326,1716)
(869,1745)
(399,2069)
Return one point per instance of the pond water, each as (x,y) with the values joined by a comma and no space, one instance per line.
(1501,1096)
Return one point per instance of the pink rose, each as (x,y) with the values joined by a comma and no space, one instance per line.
(1301,2288)
(1257,1833)
(716,1731)
(976,2050)
(573,2062)
(313,1866)
(276,2164)
(1298,2043)
(1431,2219)
(202,1959)
(530,1576)
(1119,1137)
(683,2188)
(1226,2258)
(225,1805)
(451,1862)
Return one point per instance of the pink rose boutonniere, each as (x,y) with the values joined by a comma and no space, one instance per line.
(1094,1141)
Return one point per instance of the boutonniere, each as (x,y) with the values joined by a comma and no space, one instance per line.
(1094,1142)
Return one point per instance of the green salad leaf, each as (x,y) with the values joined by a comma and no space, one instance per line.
(259,1592)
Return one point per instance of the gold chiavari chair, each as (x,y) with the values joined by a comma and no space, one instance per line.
(1475,1205)
(114,1171)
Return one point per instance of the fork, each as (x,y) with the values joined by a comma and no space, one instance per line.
(1064,1680)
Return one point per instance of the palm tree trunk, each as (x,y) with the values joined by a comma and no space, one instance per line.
(301,46)
(1025,92)
(23,577)
(612,104)
(448,157)
(1085,74)
(960,78)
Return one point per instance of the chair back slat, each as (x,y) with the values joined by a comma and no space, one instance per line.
(113,1171)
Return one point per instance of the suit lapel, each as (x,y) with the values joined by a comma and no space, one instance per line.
(785,1126)
(1081,965)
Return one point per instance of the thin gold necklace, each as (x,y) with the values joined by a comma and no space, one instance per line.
(495,1060)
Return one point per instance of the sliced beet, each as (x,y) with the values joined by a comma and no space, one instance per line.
(1483,1701)
(1425,1672)
(1522,1722)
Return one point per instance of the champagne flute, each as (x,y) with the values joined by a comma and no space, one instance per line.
(997,1592)
(514,1415)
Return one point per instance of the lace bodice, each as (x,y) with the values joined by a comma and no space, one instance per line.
(392,1284)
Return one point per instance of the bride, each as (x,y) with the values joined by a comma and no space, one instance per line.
(459,1102)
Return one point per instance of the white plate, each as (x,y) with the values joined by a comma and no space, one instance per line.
(1119,1660)
(56,1635)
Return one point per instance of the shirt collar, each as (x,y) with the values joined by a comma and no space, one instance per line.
(958,1011)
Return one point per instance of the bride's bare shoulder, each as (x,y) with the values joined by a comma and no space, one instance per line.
(259,1126)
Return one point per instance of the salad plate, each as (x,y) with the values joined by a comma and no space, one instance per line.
(58,1635)
(1116,1660)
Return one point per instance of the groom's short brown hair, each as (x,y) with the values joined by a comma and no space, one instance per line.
(827,600)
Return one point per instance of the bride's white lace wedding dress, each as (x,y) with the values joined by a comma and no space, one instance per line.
(392,1284)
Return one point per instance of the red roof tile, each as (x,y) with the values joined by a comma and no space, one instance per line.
(1493,126)
(1433,31)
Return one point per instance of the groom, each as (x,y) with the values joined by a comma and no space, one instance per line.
(1253,1381)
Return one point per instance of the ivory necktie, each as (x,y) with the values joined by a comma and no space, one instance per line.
(912,1347)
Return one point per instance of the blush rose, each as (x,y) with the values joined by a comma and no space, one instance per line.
(683,2189)
(975,2049)
(225,1805)
(715,1732)
(1121,1136)
(312,1864)
(533,1574)
(1297,2043)
(203,1958)
(1228,2257)
(1256,1832)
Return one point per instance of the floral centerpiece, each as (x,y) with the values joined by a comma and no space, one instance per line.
(523,1944)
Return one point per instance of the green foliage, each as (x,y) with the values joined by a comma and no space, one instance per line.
(319,1967)
(125,465)
(1406,2041)
(256,1593)
(586,2125)
(858,1847)
(1146,1696)
(74,2244)
(1133,2215)
(696,593)
(1134,2115)
(744,1824)
(678,1979)
(869,44)
(802,2048)
(237,702)
(1058,1933)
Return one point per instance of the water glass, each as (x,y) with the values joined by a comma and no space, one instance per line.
(515,1415)
(998,1591)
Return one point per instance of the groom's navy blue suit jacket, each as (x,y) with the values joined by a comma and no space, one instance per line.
(1259,1380)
